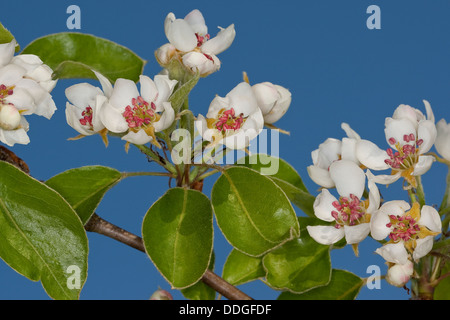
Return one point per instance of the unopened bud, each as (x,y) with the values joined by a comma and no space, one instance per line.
(398,275)
(161,294)
(9,117)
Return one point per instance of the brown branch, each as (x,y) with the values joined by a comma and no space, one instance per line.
(101,226)
(10,157)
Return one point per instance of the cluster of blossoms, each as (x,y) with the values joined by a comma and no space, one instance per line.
(25,86)
(409,230)
(136,115)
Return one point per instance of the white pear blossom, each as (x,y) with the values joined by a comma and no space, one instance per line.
(329,151)
(190,42)
(350,214)
(83,108)
(442,143)
(25,86)
(399,274)
(273,100)
(410,230)
(233,120)
(139,115)
(410,136)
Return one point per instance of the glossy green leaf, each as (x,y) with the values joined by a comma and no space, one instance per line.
(41,236)
(240,268)
(285,176)
(6,36)
(85,187)
(343,285)
(178,236)
(73,55)
(299,265)
(200,290)
(252,212)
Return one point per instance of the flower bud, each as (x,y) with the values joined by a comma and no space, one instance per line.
(399,274)
(165,53)
(273,100)
(161,294)
(9,117)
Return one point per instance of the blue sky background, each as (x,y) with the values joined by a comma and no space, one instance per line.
(335,67)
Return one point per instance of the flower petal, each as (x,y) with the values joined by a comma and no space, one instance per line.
(220,42)
(357,233)
(426,132)
(11,137)
(396,129)
(423,165)
(430,218)
(323,206)
(124,91)
(349,131)
(167,117)
(370,155)
(320,176)
(442,143)
(180,34)
(348,177)
(423,247)
(7,52)
(378,228)
(197,22)
(325,234)
(395,253)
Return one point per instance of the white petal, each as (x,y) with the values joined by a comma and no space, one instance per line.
(105,83)
(11,74)
(329,151)
(282,105)
(165,88)
(397,129)
(139,137)
(323,206)
(423,165)
(404,111)
(423,247)
(348,177)
(7,52)
(357,233)
(348,151)
(430,114)
(113,119)
(243,99)
(386,178)
(82,95)
(221,42)
(427,132)
(11,137)
(320,176)
(166,119)
(217,104)
(349,131)
(124,91)
(325,234)
(371,156)
(165,53)
(197,61)
(180,34)
(395,207)
(442,143)
(197,22)
(266,95)
(73,115)
(374,194)
(430,218)
(149,92)
(395,253)
(378,228)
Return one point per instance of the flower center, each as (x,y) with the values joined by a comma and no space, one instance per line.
(406,155)
(349,211)
(202,39)
(227,121)
(6,91)
(403,228)
(140,114)
(87,117)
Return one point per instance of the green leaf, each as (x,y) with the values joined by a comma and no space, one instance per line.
(6,36)
(73,55)
(41,236)
(442,290)
(252,212)
(178,236)
(85,187)
(343,285)
(200,290)
(179,96)
(285,176)
(240,268)
(299,265)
